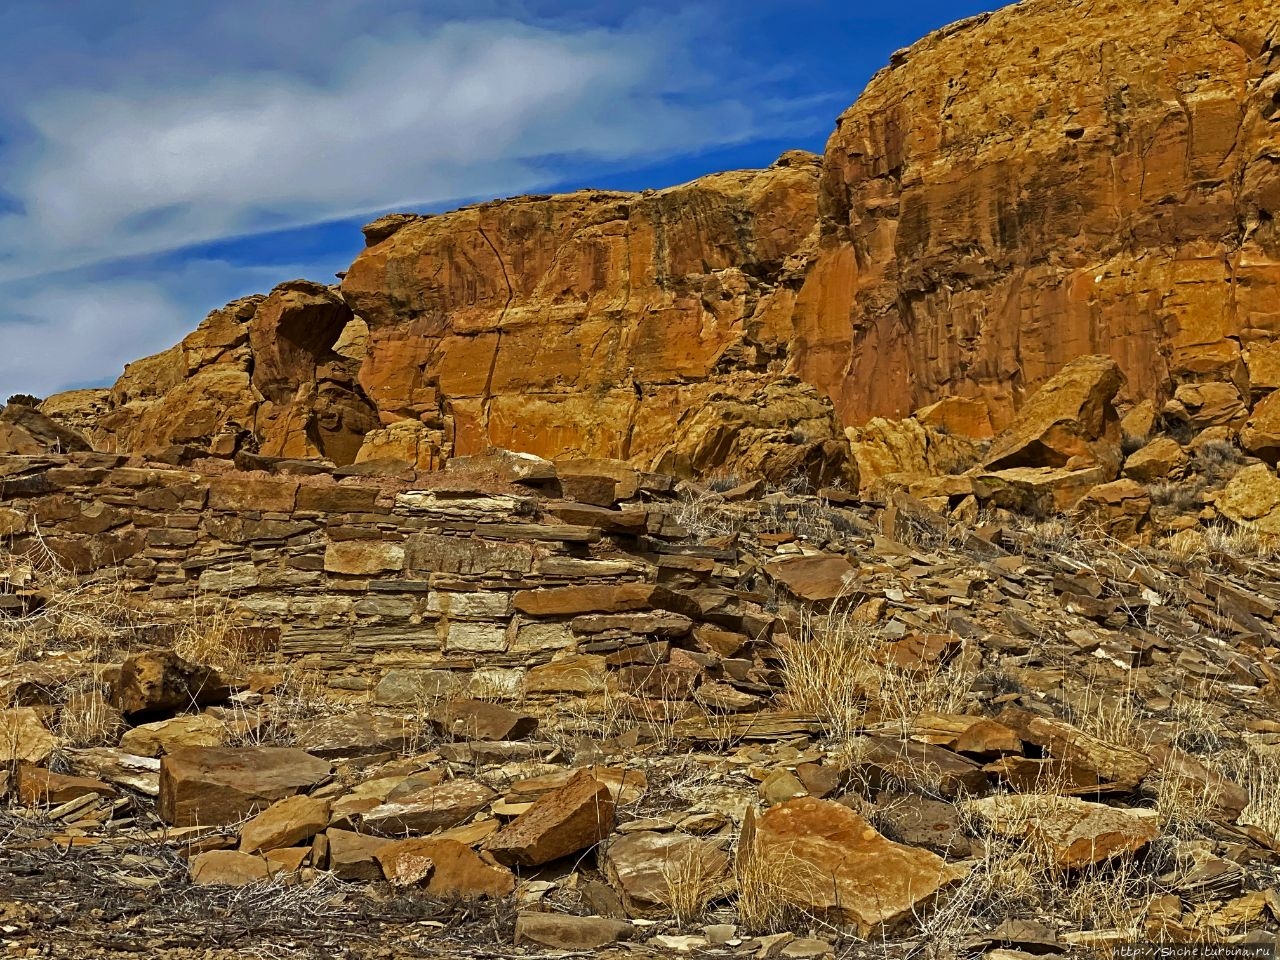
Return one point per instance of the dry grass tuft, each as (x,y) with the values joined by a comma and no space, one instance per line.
(837,667)
(772,883)
(692,881)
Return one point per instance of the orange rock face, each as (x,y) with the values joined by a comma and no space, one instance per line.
(1058,179)
(644,327)
(1047,181)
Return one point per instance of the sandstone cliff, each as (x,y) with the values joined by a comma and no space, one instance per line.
(1057,179)
(1061,177)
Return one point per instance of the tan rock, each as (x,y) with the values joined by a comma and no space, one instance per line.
(285,823)
(352,856)
(830,860)
(1039,491)
(1252,498)
(211,786)
(1203,405)
(24,737)
(363,557)
(818,578)
(163,736)
(641,866)
(965,416)
(1161,459)
(562,931)
(1074,833)
(26,432)
(1261,435)
(1118,508)
(465,719)
(410,441)
(1113,763)
(1070,418)
(38,787)
(228,868)
(561,822)
(450,869)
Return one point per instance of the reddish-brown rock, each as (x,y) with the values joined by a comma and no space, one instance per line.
(211,786)
(154,686)
(831,861)
(450,869)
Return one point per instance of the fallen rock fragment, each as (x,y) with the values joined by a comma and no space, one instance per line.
(829,860)
(155,686)
(450,869)
(163,736)
(353,856)
(432,808)
(561,931)
(642,866)
(24,737)
(229,868)
(566,820)
(284,823)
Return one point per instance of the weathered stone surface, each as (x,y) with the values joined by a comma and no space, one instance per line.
(816,578)
(1039,491)
(1075,833)
(568,820)
(1161,459)
(24,737)
(450,869)
(38,786)
(1119,508)
(352,735)
(164,736)
(211,786)
(832,861)
(363,557)
(352,856)
(561,931)
(978,234)
(284,824)
(464,719)
(1252,498)
(431,808)
(154,686)
(598,598)
(229,868)
(641,865)
(26,432)
(1113,763)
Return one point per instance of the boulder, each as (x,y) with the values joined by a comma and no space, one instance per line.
(1161,459)
(816,579)
(641,867)
(464,719)
(430,808)
(1070,420)
(1073,833)
(1119,508)
(1038,491)
(213,786)
(561,822)
(39,787)
(1112,763)
(26,432)
(1252,498)
(562,931)
(228,868)
(828,860)
(353,856)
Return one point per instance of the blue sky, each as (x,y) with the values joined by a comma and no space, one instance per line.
(158,160)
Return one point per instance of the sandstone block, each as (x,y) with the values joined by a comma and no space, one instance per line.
(567,820)
(211,786)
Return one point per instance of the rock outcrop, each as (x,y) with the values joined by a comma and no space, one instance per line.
(1050,180)
(1011,193)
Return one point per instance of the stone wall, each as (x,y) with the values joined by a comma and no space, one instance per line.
(376,579)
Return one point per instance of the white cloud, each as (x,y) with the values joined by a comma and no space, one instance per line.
(467,109)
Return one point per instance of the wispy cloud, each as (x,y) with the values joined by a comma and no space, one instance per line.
(148,133)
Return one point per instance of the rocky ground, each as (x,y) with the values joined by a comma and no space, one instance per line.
(902,732)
